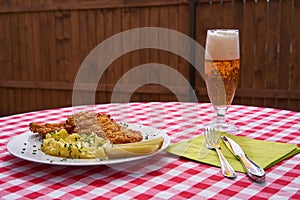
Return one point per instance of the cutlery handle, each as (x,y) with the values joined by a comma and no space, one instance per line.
(253,170)
(226,168)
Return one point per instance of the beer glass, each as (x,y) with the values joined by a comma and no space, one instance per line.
(222,64)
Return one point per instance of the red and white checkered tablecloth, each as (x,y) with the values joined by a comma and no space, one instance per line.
(171,177)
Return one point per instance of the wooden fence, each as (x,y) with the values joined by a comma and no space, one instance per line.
(44,42)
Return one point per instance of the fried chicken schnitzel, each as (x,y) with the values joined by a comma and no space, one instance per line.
(43,129)
(87,122)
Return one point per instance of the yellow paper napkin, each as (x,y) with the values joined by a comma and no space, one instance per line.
(263,153)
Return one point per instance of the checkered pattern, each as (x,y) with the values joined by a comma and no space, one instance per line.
(168,177)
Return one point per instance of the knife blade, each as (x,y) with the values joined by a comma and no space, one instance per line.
(255,172)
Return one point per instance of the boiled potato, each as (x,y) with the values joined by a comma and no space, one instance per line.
(133,149)
(62,144)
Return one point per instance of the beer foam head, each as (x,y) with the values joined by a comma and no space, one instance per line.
(222,44)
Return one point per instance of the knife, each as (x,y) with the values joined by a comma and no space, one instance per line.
(255,172)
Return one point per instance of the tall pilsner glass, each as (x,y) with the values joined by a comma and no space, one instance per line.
(222,64)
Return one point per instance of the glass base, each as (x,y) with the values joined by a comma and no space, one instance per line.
(223,127)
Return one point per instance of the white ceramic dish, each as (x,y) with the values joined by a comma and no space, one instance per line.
(27,147)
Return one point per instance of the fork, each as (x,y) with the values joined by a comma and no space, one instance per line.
(211,141)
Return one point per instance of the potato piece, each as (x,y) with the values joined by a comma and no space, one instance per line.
(77,146)
(153,141)
(133,149)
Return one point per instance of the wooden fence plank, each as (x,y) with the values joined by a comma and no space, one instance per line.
(295,66)
(50,55)
(247,46)
(58,73)
(5,47)
(101,22)
(76,59)
(39,73)
(182,25)
(271,67)
(201,22)
(173,59)
(260,10)
(164,57)
(5,60)
(26,51)
(286,30)
(135,21)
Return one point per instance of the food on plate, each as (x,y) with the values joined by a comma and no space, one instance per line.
(43,129)
(88,135)
(89,146)
(133,149)
(103,125)
(84,123)
(81,146)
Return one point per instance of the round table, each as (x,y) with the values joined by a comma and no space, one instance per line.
(171,177)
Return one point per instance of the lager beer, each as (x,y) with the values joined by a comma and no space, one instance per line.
(221,80)
(222,63)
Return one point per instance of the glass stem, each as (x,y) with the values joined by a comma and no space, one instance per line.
(221,112)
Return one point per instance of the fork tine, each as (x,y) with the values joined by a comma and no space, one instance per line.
(208,138)
(205,137)
(214,136)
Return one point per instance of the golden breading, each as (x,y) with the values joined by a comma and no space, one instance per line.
(84,123)
(43,129)
(88,122)
(117,134)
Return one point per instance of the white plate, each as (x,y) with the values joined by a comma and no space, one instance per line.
(27,147)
